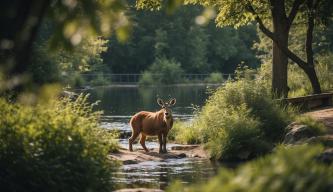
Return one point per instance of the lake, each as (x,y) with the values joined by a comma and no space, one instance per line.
(120,103)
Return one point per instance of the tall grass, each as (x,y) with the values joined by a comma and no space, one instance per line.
(288,169)
(54,146)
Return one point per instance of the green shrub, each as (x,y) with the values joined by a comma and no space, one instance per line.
(215,78)
(163,71)
(182,132)
(146,79)
(99,80)
(239,121)
(288,169)
(54,146)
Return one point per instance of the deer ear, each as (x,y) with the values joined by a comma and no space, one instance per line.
(160,102)
(172,102)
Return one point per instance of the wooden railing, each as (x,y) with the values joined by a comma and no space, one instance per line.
(311,101)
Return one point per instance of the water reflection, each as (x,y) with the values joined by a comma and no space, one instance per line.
(128,100)
(159,174)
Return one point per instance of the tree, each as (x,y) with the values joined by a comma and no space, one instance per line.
(199,49)
(274,12)
(73,21)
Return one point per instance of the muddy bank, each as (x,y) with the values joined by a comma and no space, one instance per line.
(175,152)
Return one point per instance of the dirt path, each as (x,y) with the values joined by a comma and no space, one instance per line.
(325,116)
(176,152)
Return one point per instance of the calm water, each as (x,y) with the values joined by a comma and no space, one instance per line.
(119,103)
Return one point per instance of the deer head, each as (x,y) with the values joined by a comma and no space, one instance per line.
(166,107)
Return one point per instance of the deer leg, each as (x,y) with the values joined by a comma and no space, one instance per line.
(132,139)
(160,141)
(164,137)
(142,142)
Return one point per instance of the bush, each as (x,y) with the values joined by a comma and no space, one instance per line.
(146,79)
(240,121)
(54,146)
(182,132)
(163,71)
(74,79)
(215,78)
(281,171)
(100,80)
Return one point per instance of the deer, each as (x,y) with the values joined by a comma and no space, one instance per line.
(152,124)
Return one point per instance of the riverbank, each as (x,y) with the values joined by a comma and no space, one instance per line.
(176,152)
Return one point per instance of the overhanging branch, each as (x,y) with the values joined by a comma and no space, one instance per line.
(272,36)
(294,10)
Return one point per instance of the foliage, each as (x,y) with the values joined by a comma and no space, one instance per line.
(215,77)
(164,71)
(99,80)
(54,146)
(298,82)
(65,65)
(199,49)
(146,79)
(182,132)
(240,120)
(283,170)
(78,20)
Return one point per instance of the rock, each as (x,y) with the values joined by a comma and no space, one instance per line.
(326,140)
(139,190)
(184,147)
(129,162)
(297,132)
(326,156)
(181,155)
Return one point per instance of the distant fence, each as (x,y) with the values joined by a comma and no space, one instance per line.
(130,78)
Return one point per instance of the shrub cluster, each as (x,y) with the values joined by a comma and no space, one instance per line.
(288,169)
(54,146)
(239,121)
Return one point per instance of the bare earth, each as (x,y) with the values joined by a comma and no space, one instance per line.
(176,152)
(325,116)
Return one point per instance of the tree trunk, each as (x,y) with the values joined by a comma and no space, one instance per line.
(310,69)
(280,70)
(311,73)
(280,59)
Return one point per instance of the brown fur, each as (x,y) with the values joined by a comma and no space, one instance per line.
(151,124)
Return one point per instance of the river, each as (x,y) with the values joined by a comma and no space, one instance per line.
(120,103)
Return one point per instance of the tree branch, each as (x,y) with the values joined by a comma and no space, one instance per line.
(272,36)
(309,34)
(294,10)
(262,27)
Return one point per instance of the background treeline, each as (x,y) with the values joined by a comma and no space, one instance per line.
(198,49)
(158,39)
(173,45)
